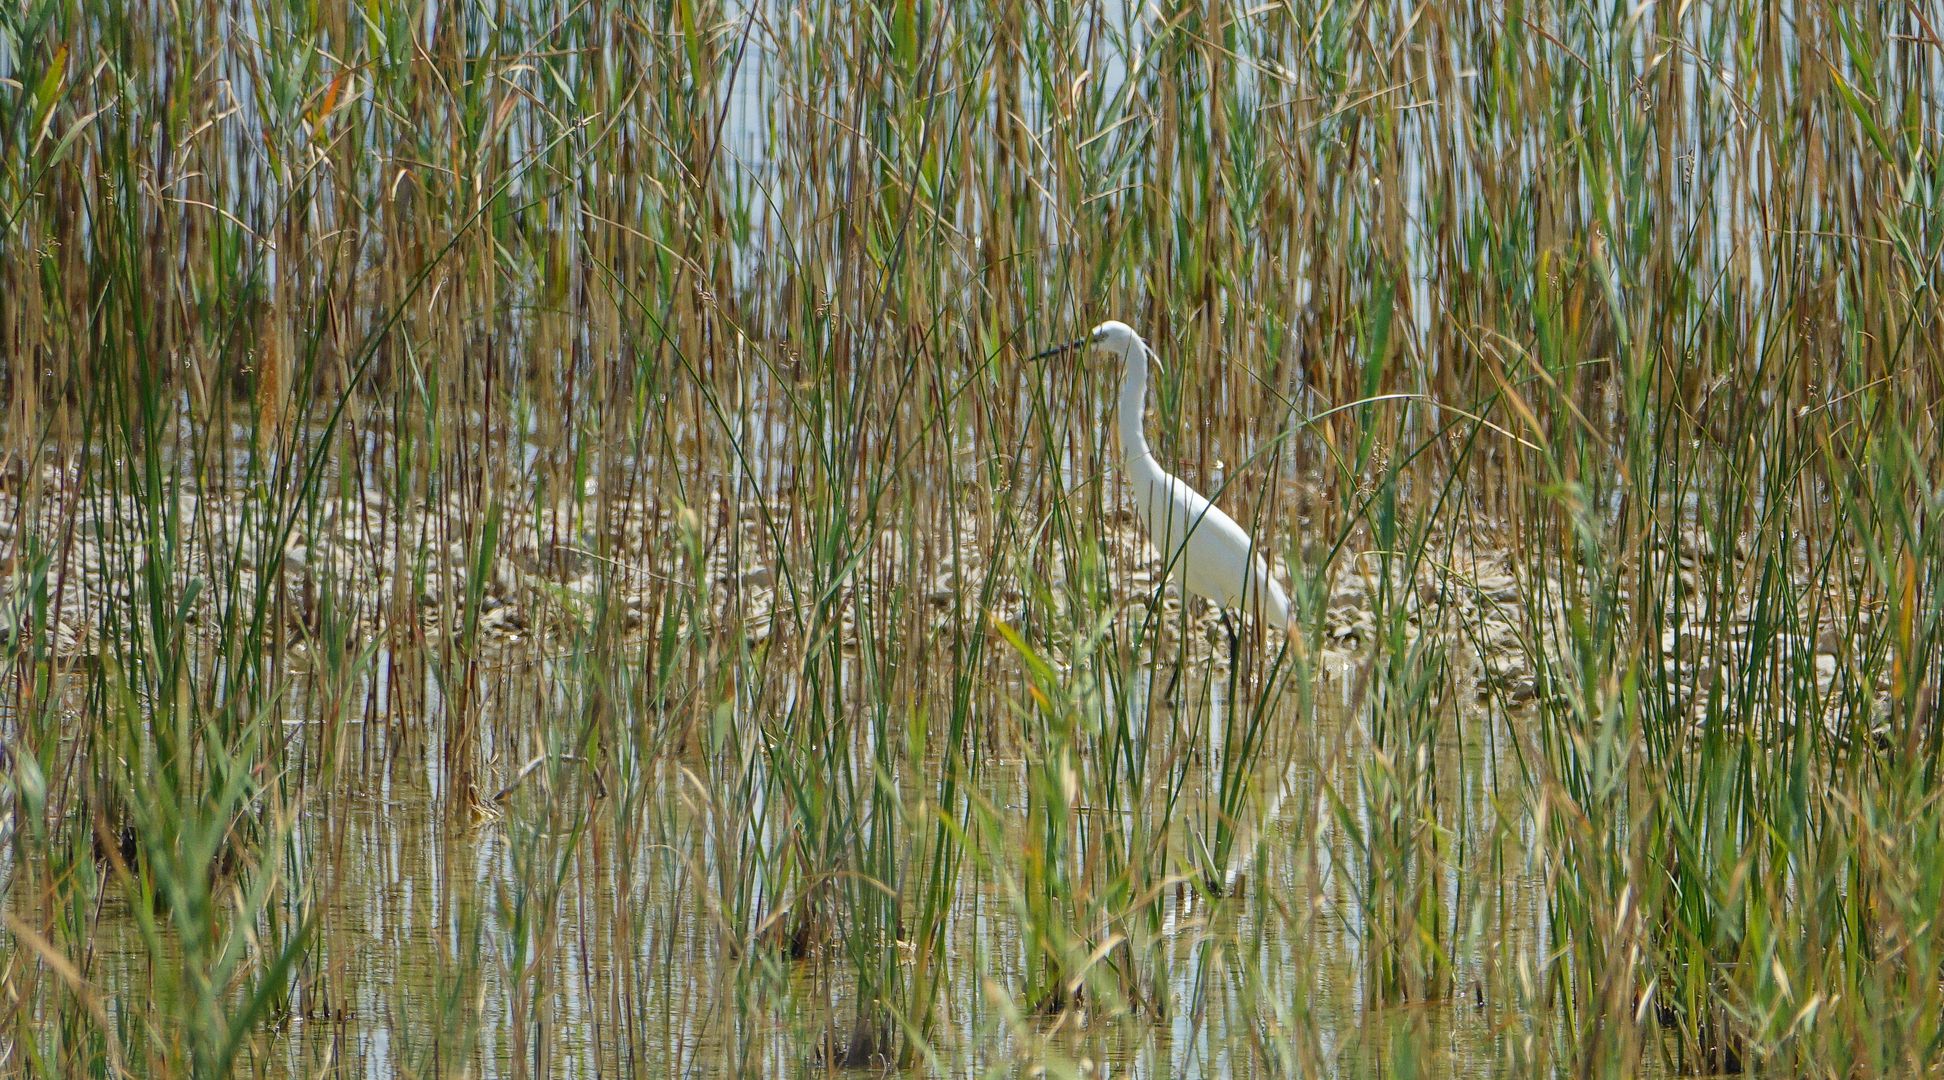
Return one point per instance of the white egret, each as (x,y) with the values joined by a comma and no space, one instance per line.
(1208,554)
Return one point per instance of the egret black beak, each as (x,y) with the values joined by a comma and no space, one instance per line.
(1056,350)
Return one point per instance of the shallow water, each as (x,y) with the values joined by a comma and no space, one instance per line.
(578,933)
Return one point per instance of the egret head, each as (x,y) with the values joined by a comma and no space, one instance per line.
(1114,337)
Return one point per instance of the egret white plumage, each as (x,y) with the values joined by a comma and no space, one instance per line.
(1208,554)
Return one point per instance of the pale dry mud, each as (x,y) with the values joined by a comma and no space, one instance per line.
(360,567)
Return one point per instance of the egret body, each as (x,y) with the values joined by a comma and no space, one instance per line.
(1208,554)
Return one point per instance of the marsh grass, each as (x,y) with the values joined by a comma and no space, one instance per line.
(528,546)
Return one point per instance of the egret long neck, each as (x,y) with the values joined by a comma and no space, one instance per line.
(1133,399)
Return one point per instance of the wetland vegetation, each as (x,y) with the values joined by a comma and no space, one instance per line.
(530,544)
